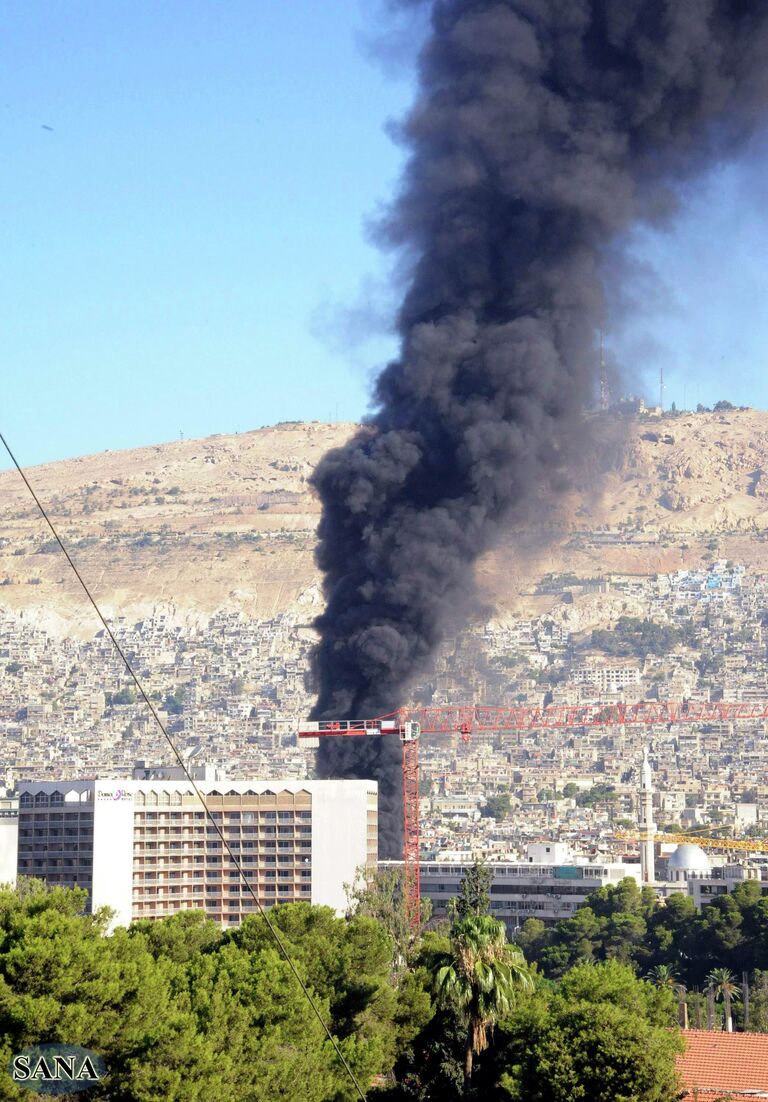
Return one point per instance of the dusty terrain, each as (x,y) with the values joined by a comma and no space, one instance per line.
(228,521)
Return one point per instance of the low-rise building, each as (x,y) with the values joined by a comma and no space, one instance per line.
(549,884)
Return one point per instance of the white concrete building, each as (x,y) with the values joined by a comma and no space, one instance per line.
(607,676)
(147,848)
(549,884)
(704,886)
(9,838)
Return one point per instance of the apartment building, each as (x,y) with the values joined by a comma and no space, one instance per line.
(607,676)
(146,848)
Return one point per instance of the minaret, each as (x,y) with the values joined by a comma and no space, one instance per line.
(604,401)
(646,823)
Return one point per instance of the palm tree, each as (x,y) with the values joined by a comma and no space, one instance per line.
(665,977)
(723,984)
(480,975)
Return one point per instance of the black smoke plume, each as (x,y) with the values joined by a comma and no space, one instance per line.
(542,130)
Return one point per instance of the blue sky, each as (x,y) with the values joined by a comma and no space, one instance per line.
(185,249)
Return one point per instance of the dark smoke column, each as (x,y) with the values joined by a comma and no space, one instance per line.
(542,130)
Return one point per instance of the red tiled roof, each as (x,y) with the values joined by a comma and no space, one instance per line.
(715,1063)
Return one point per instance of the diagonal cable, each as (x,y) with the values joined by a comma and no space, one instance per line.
(235,860)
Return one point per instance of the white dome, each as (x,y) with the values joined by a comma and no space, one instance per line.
(689,858)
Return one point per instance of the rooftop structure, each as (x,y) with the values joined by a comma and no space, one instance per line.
(717,1065)
(687,861)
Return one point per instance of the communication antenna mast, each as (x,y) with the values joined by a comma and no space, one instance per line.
(603,376)
(661,388)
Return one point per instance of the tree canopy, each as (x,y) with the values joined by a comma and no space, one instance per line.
(633,637)
(627,923)
(186,1013)
(182,1010)
(603,1035)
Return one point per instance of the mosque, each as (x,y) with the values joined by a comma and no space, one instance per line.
(687,868)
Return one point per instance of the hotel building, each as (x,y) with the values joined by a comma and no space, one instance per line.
(146,848)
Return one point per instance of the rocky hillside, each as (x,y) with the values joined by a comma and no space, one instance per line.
(228,522)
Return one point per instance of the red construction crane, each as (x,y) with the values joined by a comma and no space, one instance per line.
(465,720)
(408,729)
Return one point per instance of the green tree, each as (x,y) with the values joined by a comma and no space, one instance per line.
(268,1042)
(664,976)
(180,937)
(122,696)
(598,793)
(532,938)
(716,938)
(182,1012)
(724,985)
(479,977)
(758,1003)
(62,979)
(604,1035)
(497,807)
(348,964)
(173,704)
(381,895)
(696,1003)
(669,930)
(474,894)
(632,636)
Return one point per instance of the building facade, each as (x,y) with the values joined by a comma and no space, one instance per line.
(549,884)
(9,838)
(146,848)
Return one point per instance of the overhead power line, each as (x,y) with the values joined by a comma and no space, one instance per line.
(233,858)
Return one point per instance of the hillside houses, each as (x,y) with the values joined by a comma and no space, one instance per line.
(236,689)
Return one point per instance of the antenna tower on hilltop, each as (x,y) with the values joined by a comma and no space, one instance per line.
(661,388)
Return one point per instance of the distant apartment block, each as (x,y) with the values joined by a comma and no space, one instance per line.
(146,848)
(607,676)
